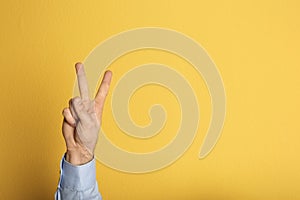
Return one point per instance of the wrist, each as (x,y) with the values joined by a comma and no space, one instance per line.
(78,156)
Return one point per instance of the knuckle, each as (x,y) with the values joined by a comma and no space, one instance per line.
(65,110)
(76,101)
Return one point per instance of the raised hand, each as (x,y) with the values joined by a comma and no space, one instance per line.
(82,119)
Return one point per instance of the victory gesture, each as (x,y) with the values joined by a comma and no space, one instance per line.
(82,119)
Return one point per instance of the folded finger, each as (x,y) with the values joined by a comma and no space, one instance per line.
(72,111)
(68,117)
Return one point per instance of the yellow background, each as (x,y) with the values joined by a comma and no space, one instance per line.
(255,45)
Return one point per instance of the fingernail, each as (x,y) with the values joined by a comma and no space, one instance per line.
(77,66)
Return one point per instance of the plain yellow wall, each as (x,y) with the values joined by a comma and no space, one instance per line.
(255,45)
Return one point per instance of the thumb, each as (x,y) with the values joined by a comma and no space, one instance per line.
(68,127)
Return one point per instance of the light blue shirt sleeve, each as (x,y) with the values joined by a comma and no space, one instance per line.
(77,182)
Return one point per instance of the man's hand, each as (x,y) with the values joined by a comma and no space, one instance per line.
(82,119)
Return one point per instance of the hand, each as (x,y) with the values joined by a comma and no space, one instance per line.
(82,119)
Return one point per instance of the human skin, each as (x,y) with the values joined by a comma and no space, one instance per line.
(82,119)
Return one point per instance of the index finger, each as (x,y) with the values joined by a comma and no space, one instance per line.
(82,81)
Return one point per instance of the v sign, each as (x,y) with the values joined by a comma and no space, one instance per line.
(82,119)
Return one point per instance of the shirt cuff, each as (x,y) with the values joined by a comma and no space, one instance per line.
(79,178)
